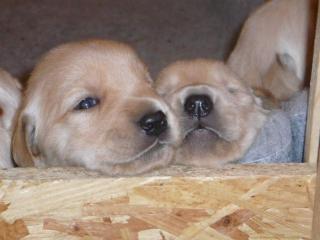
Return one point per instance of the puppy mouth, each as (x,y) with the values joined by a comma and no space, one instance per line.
(200,129)
(155,146)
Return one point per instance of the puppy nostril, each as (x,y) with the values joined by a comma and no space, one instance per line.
(198,106)
(154,124)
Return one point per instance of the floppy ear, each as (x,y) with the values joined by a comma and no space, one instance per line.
(24,144)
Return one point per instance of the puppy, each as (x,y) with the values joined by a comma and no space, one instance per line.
(9,102)
(91,104)
(219,117)
(274,51)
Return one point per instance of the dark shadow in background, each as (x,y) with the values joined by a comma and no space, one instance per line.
(162,31)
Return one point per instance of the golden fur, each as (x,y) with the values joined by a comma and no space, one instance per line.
(229,130)
(106,137)
(274,50)
(9,102)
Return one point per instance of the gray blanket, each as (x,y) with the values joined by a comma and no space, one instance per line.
(281,140)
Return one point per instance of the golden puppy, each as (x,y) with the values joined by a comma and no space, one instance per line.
(219,117)
(91,104)
(9,102)
(274,50)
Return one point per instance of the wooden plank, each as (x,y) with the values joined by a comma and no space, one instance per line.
(316,212)
(237,202)
(313,123)
(174,171)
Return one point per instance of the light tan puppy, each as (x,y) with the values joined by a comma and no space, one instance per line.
(91,104)
(219,116)
(273,53)
(9,102)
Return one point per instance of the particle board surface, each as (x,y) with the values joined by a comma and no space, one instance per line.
(313,121)
(238,202)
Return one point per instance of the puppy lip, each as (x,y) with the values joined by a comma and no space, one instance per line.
(167,142)
(153,147)
(202,127)
(196,129)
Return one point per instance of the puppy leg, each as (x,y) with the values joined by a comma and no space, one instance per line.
(281,79)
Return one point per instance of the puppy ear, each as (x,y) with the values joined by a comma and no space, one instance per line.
(24,144)
(287,62)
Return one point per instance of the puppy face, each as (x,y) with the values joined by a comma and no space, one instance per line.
(218,115)
(91,104)
(9,102)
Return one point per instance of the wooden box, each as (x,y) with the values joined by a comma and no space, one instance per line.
(239,202)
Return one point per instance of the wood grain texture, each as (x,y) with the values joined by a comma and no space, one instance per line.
(316,215)
(173,170)
(266,203)
(313,123)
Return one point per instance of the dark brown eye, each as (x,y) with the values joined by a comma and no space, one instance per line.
(87,103)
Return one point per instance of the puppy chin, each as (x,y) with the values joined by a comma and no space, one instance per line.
(200,137)
(198,143)
(158,157)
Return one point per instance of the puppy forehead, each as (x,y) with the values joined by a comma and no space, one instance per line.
(82,63)
(195,72)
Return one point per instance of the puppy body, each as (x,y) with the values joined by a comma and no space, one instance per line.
(274,50)
(106,137)
(9,102)
(225,134)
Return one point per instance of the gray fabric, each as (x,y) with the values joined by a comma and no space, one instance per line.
(281,140)
(296,108)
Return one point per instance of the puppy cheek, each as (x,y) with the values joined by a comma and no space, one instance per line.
(56,143)
(230,120)
(244,98)
(175,136)
(175,118)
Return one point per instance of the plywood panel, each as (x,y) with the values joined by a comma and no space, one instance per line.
(180,203)
(313,123)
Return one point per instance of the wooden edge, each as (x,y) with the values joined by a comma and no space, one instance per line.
(174,171)
(313,123)
(316,208)
(239,202)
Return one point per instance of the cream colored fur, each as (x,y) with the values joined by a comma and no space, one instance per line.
(231,127)
(9,102)
(273,53)
(107,138)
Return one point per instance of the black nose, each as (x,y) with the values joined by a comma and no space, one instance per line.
(198,106)
(154,124)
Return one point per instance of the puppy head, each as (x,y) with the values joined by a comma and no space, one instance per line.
(91,104)
(9,102)
(219,117)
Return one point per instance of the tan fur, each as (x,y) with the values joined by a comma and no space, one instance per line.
(230,128)
(277,29)
(9,102)
(105,138)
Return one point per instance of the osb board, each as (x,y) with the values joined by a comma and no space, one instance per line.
(271,204)
(173,170)
(316,208)
(313,123)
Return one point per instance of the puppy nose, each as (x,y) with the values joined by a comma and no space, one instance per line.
(198,106)
(154,124)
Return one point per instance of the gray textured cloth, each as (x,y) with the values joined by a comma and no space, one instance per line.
(281,140)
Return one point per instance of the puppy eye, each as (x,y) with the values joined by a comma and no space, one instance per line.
(87,103)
